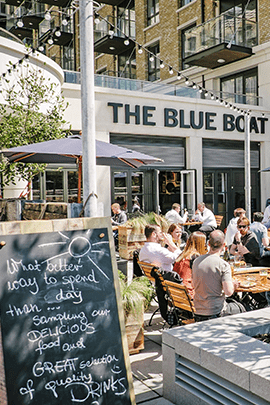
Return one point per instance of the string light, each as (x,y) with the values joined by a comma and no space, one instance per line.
(111,32)
(47,16)
(20,23)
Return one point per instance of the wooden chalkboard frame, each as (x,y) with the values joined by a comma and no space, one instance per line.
(19,230)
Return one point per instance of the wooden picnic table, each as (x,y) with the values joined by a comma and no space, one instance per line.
(250,280)
(192,223)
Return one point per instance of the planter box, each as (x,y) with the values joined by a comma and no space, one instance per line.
(129,240)
(135,332)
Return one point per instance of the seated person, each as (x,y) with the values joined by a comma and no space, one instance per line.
(260,231)
(266,217)
(245,244)
(119,218)
(178,235)
(153,252)
(232,226)
(206,216)
(183,263)
(212,282)
(174,216)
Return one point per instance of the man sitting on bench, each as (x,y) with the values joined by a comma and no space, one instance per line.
(153,252)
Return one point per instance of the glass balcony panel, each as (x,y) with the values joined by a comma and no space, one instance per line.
(224,28)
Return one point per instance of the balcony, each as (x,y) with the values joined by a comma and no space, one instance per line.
(110,35)
(222,40)
(123,3)
(57,37)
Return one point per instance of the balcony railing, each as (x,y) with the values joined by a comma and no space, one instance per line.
(225,28)
(159,88)
(119,26)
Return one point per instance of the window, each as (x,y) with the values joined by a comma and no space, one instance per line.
(183,3)
(188,45)
(127,66)
(152,12)
(153,63)
(241,88)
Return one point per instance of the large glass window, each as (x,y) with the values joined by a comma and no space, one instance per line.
(153,63)
(127,65)
(241,88)
(152,12)
(128,186)
(188,45)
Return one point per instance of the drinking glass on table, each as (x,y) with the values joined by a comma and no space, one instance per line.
(237,261)
(263,275)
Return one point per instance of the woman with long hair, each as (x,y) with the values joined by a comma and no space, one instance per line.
(195,246)
(176,232)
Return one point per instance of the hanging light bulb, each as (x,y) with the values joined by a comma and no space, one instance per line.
(57,33)
(111,31)
(194,86)
(161,64)
(140,51)
(97,20)
(212,97)
(64,21)
(126,41)
(41,48)
(151,58)
(20,23)
(179,76)
(50,41)
(200,90)
(48,16)
(187,82)
(206,94)
(170,70)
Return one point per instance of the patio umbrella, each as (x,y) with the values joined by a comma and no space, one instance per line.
(69,150)
(265,170)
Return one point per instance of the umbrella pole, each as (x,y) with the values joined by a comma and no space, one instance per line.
(80,180)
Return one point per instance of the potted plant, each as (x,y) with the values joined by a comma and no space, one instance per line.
(131,234)
(136,298)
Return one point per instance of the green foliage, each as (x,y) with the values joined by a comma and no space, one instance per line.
(132,294)
(32,112)
(139,222)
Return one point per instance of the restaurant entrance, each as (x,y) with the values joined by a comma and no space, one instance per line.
(224,190)
(155,190)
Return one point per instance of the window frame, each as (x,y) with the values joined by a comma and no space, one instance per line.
(155,72)
(243,76)
(152,16)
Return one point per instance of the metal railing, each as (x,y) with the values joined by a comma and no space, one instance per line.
(115,26)
(225,28)
(121,83)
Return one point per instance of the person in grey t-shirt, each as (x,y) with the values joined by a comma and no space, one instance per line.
(212,282)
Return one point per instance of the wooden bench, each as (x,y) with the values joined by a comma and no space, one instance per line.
(180,300)
(219,219)
(146,270)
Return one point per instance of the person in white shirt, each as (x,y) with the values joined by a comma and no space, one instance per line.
(266,217)
(174,216)
(153,252)
(232,226)
(206,216)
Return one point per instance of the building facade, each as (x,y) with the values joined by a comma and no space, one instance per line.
(197,64)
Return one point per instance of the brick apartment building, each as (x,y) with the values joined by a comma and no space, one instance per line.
(189,60)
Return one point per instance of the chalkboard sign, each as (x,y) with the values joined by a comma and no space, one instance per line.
(62,337)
